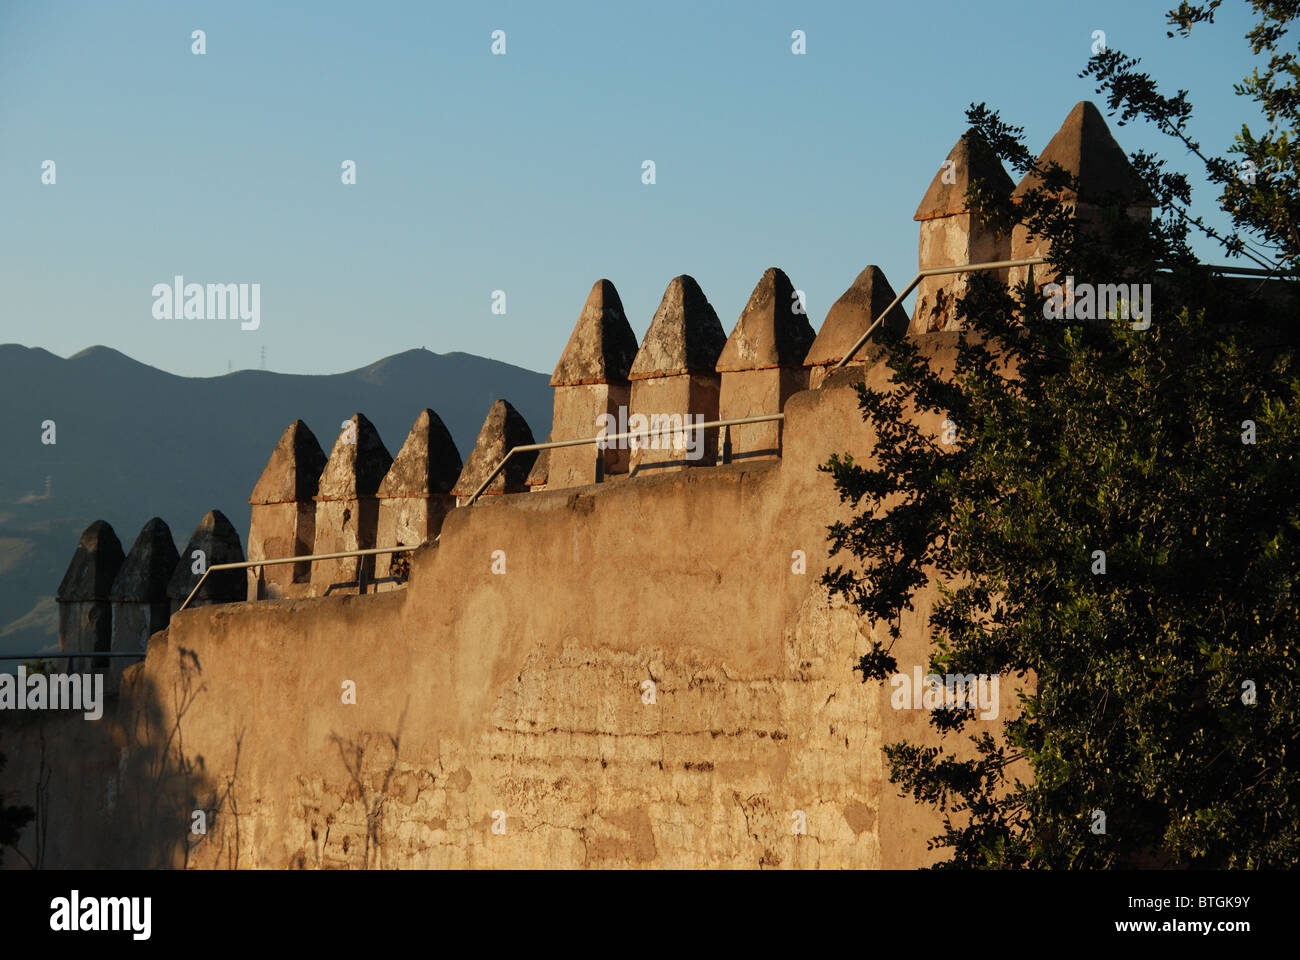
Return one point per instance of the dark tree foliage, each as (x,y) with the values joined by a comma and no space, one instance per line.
(1078,436)
(12,820)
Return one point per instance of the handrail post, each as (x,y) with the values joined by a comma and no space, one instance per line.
(493,475)
(916,280)
(195,590)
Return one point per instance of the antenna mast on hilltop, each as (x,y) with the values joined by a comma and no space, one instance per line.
(263,356)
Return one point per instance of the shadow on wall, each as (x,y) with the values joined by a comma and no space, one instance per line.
(121,791)
(353,755)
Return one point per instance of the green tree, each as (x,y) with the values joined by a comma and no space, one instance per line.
(1077,436)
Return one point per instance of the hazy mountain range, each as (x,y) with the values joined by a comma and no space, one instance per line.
(134,442)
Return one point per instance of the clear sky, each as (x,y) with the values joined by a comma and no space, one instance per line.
(520,172)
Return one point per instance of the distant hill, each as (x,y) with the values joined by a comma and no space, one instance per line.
(134,442)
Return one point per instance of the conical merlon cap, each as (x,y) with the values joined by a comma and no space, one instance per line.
(148,567)
(685,335)
(771,331)
(292,474)
(971,159)
(852,314)
(1084,147)
(219,541)
(94,566)
(357,464)
(428,462)
(503,429)
(602,346)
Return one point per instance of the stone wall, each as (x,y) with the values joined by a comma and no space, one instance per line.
(521,692)
(640,672)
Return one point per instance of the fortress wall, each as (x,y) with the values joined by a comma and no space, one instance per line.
(521,692)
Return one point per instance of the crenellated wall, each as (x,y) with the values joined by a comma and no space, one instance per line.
(523,691)
(641,671)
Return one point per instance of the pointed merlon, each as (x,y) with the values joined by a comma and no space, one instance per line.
(685,335)
(148,567)
(292,474)
(357,464)
(219,543)
(1084,146)
(852,314)
(428,463)
(971,159)
(94,567)
(602,346)
(773,330)
(503,429)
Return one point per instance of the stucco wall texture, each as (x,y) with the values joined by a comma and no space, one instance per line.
(501,719)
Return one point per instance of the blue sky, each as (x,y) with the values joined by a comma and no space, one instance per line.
(519,172)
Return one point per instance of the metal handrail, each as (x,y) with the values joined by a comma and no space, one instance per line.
(1244,271)
(245,564)
(242,565)
(995,265)
(61,655)
(552,444)
(933,272)
(921,275)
